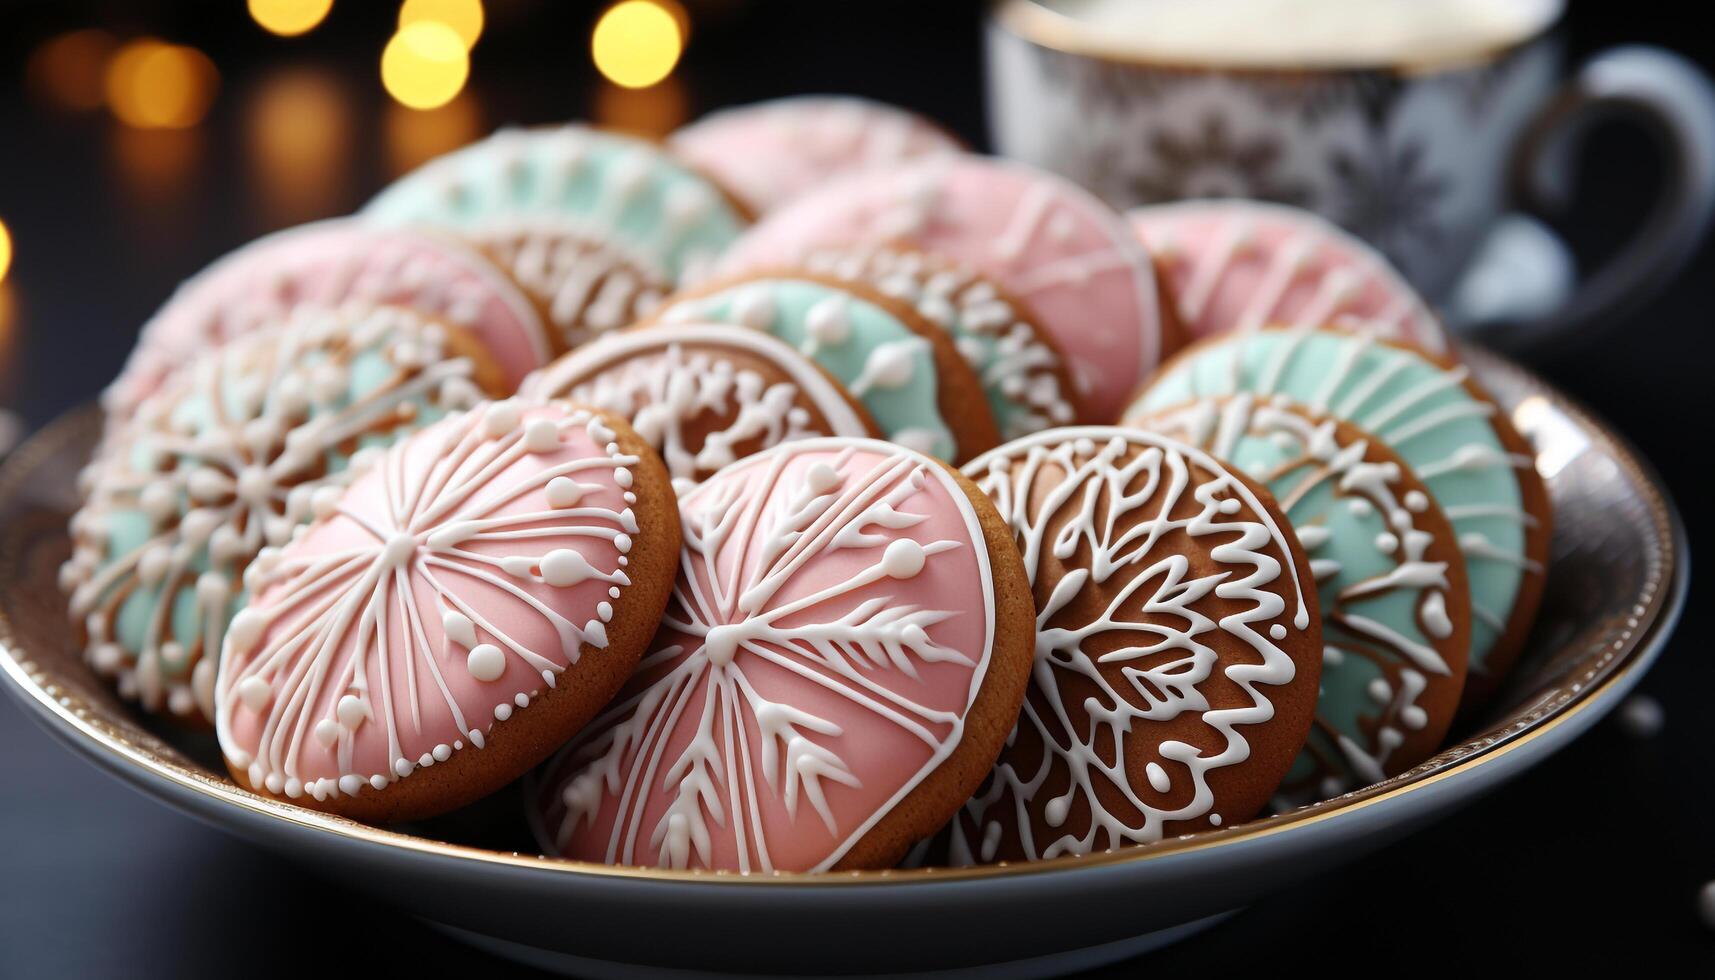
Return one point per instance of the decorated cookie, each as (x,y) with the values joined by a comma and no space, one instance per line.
(767,153)
(619,202)
(904,369)
(1026,381)
(705,395)
(327,264)
(845,650)
(1396,608)
(1442,425)
(1071,260)
(1232,266)
(1177,647)
(453,617)
(243,445)
(581,287)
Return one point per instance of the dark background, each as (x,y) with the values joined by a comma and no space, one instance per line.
(1592,861)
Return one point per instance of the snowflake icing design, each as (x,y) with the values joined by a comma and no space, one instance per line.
(1133,638)
(435,601)
(247,444)
(587,288)
(804,678)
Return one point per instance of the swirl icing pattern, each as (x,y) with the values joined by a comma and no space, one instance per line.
(1396,609)
(1176,665)
(331,263)
(1457,441)
(1073,262)
(830,629)
(474,569)
(704,395)
(247,443)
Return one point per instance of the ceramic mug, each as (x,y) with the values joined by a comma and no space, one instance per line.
(1422,153)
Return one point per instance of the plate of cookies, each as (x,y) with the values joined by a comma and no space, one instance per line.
(602,549)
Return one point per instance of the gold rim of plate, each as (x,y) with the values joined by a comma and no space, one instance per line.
(119,741)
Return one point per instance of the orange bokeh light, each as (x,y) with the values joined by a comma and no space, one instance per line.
(70,70)
(155,85)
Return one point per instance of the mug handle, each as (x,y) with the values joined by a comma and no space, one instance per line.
(1674,102)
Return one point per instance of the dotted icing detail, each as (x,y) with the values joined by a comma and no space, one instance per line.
(432,602)
(599,187)
(832,623)
(250,441)
(884,363)
(1021,373)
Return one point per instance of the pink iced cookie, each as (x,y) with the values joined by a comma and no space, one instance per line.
(453,617)
(1074,262)
(328,263)
(831,655)
(1230,265)
(767,153)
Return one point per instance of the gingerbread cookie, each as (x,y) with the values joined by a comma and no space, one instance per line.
(905,370)
(1396,608)
(454,616)
(330,263)
(243,445)
(1027,383)
(1441,423)
(846,648)
(1234,266)
(1073,261)
(768,153)
(1177,646)
(582,288)
(596,193)
(705,395)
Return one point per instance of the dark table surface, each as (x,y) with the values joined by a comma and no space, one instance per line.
(1591,861)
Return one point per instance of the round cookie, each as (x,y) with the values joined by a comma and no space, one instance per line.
(464,608)
(240,447)
(904,369)
(573,183)
(1177,647)
(768,153)
(1396,607)
(846,649)
(582,288)
(1234,266)
(1073,261)
(1440,422)
(1027,383)
(704,395)
(329,263)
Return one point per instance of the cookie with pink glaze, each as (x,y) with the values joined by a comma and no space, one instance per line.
(463,609)
(768,153)
(846,648)
(1238,266)
(1070,259)
(329,263)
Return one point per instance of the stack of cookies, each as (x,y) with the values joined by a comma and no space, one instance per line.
(804,493)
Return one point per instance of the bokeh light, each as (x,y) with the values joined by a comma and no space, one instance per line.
(155,85)
(414,137)
(463,16)
(298,130)
(289,18)
(651,112)
(70,70)
(425,64)
(5,251)
(637,43)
